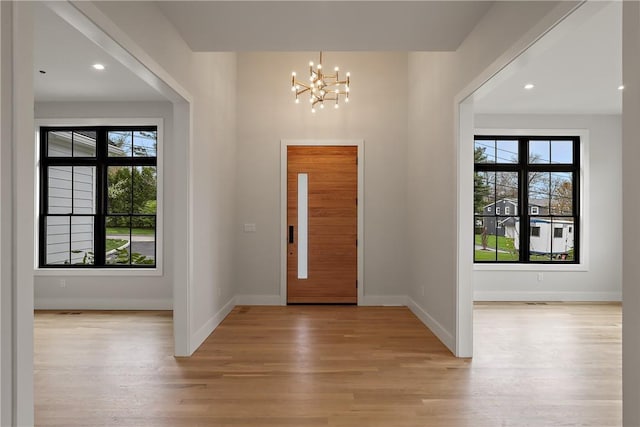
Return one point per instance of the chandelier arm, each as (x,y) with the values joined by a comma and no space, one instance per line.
(302,85)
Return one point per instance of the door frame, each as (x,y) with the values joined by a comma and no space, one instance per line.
(284,144)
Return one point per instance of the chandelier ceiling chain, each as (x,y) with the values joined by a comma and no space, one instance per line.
(321,87)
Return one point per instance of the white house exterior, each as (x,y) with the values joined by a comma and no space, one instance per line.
(547,237)
(70,238)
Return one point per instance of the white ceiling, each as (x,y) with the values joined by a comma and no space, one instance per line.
(324,25)
(67,56)
(576,69)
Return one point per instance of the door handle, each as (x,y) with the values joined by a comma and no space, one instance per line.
(291,234)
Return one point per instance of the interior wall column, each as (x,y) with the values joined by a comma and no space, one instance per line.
(630,213)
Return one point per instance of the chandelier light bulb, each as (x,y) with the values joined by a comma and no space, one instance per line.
(310,63)
(348,74)
(321,106)
(293,74)
(336,69)
(297,101)
(336,106)
(313,110)
(346,99)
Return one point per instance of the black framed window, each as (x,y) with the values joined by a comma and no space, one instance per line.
(98,197)
(541,173)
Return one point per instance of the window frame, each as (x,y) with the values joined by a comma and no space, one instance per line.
(43,161)
(523,167)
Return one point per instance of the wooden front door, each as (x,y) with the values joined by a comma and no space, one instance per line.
(322,255)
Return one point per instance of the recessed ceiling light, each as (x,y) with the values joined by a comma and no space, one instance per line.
(621,87)
(98,66)
(529,86)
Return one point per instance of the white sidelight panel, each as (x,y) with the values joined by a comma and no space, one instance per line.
(303,226)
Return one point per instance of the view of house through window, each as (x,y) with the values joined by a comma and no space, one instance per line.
(541,173)
(98,197)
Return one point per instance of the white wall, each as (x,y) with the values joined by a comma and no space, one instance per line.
(115,291)
(437,78)
(209,162)
(6,207)
(267,113)
(603,279)
(631,213)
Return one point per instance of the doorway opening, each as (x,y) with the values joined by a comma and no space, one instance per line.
(569,83)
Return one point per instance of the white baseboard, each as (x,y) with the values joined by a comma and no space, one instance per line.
(103,304)
(547,296)
(210,325)
(443,335)
(258,300)
(379,300)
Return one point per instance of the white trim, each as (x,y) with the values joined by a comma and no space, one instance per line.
(463,131)
(198,337)
(583,134)
(258,300)
(563,296)
(528,267)
(103,304)
(23,208)
(129,121)
(283,207)
(438,330)
(384,300)
(464,263)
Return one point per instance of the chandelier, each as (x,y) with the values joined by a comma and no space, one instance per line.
(321,87)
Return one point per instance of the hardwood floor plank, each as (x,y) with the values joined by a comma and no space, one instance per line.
(344,366)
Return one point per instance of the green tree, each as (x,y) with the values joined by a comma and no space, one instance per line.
(126,196)
(481,189)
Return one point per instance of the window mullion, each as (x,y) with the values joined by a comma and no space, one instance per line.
(524,194)
(101,194)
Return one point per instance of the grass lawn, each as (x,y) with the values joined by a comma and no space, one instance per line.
(114,243)
(504,243)
(490,255)
(134,231)
(510,254)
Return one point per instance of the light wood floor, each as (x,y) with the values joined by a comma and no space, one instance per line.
(302,366)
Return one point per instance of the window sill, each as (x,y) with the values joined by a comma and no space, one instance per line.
(530,267)
(132,272)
